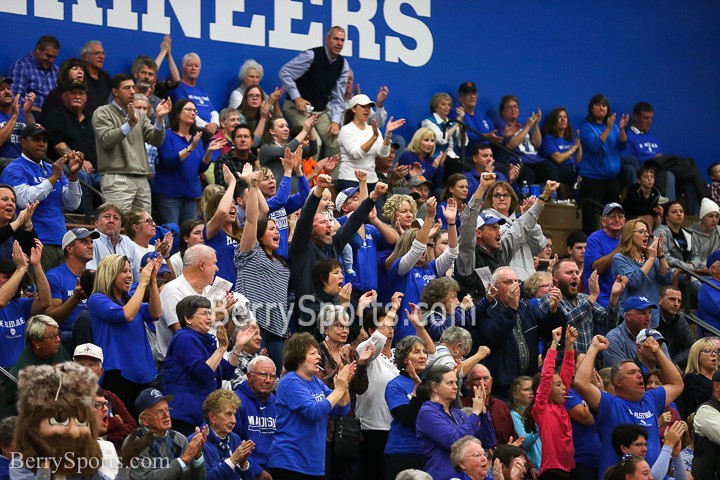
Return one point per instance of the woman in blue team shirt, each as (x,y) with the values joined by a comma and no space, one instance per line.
(456,187)
(303,403)
(118,324)
(408,267)
(559,145)
(601,141)
(222,231)
(181,159)
(421,149)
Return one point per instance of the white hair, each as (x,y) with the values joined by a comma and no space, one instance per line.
(88,46)
(260,358)
(250,64)
(498,273)
(196,254)
(188,56)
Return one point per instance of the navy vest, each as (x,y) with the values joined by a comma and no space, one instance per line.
(316,84)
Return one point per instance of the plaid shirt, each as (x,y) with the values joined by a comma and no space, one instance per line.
(715,191)
(584,316)
(27,76)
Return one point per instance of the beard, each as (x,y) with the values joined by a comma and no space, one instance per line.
(75,456)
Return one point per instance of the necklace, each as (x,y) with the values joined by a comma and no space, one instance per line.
(642,260)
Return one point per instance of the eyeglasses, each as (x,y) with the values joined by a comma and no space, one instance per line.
(149,221)
(501,195)
(204,313)
(54,336)
(642,232)
(711,352)
(191,110)
(639,444)
(342,327)
(254,95)
(512,107)
(615,216)
(265,376)
(160,413)
(99,52)
(101,405)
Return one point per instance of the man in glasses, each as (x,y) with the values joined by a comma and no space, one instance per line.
(600,249)
(256,415)
(169,456)
(635,330)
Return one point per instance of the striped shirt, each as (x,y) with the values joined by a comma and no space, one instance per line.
(264,281)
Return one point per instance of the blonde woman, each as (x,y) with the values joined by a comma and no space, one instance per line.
(420,157)
(702,363)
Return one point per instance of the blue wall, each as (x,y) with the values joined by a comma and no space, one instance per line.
(546,53)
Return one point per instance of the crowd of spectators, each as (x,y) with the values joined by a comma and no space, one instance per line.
(278,289)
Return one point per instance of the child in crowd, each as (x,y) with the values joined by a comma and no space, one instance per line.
(644,200)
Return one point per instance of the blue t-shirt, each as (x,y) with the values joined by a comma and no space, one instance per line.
(365,257)
(402,440)
(642,146)
(480,122)
(11,148)
(197,95)
(176,178)
(412,283)
(585,438)
(302,411)
(601,160)
(615,411)
(62,284)
(552,144)
(12,329)
(599,244)
(224,247)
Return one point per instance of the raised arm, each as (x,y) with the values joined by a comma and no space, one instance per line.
(10,287)
(252,206)
(44,297)
(216,222)
(585,374)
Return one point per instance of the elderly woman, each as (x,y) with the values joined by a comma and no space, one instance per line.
(207,117)
(195,363)
(360,143)
(181,159)
(440,306)
(439,123)
(119,325)
(402,449)
(501,201)
(454,345)
(251,73)
(702,363)
(439,424)
(226,456)
(643,263)
(303,403)
(468,457)
(537,286)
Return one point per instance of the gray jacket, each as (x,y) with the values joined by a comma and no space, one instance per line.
(671,250)
(703,244)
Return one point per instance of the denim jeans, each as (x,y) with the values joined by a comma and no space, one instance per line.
(173,209)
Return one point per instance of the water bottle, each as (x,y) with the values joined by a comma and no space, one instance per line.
(524,190)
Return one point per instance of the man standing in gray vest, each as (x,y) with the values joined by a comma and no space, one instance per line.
(315,82)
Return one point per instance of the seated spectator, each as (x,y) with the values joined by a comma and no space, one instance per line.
(36,72)
(226,456)
(195,363)
(108,222)
(256,416)
(445,130)
(705,461)
(420,154)
(420,191)
(181,159)
(251,73)
(643,199)
(527,236)
(709,297)
(13,120)
(169,454)
(701,366)
(439,424)
(361,143)
(705,234)
(118,321)
(34,180)
(521,394)
(546,259)
(229,119)
(476,120)
(120,423)
(303,403)
(110,463)
(561,145)
(16,310)
(456,187)
(238,156)
(122,155)
(71,131)
(526,141)
(249,350)
(42,347)
(68,298)
(70,70)
(275,141)
(673,172)
(601,142)
(403,449)
(207,118)
(678,244)
(643,263)
(631,439)
(484,162)
(263,275)
(674,326)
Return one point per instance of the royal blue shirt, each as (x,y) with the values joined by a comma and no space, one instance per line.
(12,329)
(585,438)
(402,440)
(198,96)
(412,283)
(256,421)
(601,160)
(11,148)
(599,244)
(224,246)
(178,178)
(283,204)
(552,144)
(643,146)
(62,284)
(365,254)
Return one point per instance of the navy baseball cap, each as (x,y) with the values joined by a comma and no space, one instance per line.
(148,398)
(638,303)
(488,219)
(33,130)
(152,256)
(612,206)
(712,258)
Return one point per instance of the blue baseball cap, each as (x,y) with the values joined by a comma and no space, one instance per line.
(148,398)
(646,333)
(712,258)
(489,219)
(152,256)
(343,196)
(638,303)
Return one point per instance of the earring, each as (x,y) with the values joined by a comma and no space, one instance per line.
(436,398)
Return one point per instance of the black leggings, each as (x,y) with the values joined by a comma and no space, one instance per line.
(594,194)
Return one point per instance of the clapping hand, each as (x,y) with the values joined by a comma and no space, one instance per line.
(393,125)
(450,212)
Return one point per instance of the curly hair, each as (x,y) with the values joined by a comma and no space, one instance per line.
(403,349)
(217,399)
(437,290)
(394,203)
